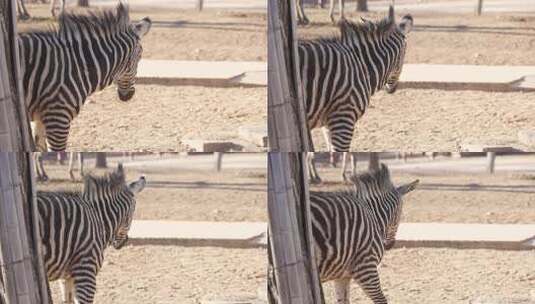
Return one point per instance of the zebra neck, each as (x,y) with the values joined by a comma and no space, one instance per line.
(97,61)
(111,213)
(383,208)
(376,55)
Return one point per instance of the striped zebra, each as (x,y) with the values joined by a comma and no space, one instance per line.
(63,66)
(339,75)
(76,228)
(351,231)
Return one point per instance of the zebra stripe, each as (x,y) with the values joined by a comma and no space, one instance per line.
(63,66)
(77,227)
(339,75)
(352,229)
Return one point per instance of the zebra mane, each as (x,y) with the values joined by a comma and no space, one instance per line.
(109,20)
(384,26)
(113,181)
(377,180)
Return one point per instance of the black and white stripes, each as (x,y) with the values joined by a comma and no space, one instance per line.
(76,228)
(339,75)
(63,66)
(352,229)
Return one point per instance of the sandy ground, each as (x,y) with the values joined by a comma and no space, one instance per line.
(231,195)
(159,118)
(171,275)
(435,120)
(452,276)
(459,198)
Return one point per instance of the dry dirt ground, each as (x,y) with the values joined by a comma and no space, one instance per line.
(448,276)
(173,274)
(457,198)
(159,117)
(231,195)
(434,120)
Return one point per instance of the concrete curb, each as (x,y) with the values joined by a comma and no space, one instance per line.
(254,235)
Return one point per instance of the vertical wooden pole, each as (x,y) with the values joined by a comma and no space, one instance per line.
(479,7)
(287,124)
(292,275)
(22,276)
(491,159)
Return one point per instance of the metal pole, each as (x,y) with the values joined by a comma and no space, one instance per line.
(479,7)
(491,159)
(199,5)
(218,156)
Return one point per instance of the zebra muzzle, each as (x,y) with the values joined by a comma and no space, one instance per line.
(126,95)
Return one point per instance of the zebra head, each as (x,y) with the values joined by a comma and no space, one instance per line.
(127,78)
(121,236)
(115,200)
(377,190)
(392,228)
(399,34)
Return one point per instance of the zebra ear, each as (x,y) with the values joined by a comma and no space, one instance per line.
(138,185)
(406,24)
(391,13)
(404,189)
(142,27)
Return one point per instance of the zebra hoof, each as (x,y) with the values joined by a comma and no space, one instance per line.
(43,178)
(315,180)
(24,17)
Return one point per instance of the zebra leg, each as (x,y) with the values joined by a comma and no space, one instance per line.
(353,162)
(23,12)
(81,163)
(341,290)
(327,137)
(67,291)
(53,7)
(301,17)
(371,285)
(56,132)
(341,9)
(312,172)
(39,167)
(85,284)
(341,135)
(331,11)
(345,178)
(62,6)
(71,165)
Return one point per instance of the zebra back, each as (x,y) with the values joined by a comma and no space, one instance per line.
(354,227)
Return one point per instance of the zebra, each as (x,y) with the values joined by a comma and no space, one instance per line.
(352,229)
(63,66)
(77,227)
(339,75)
